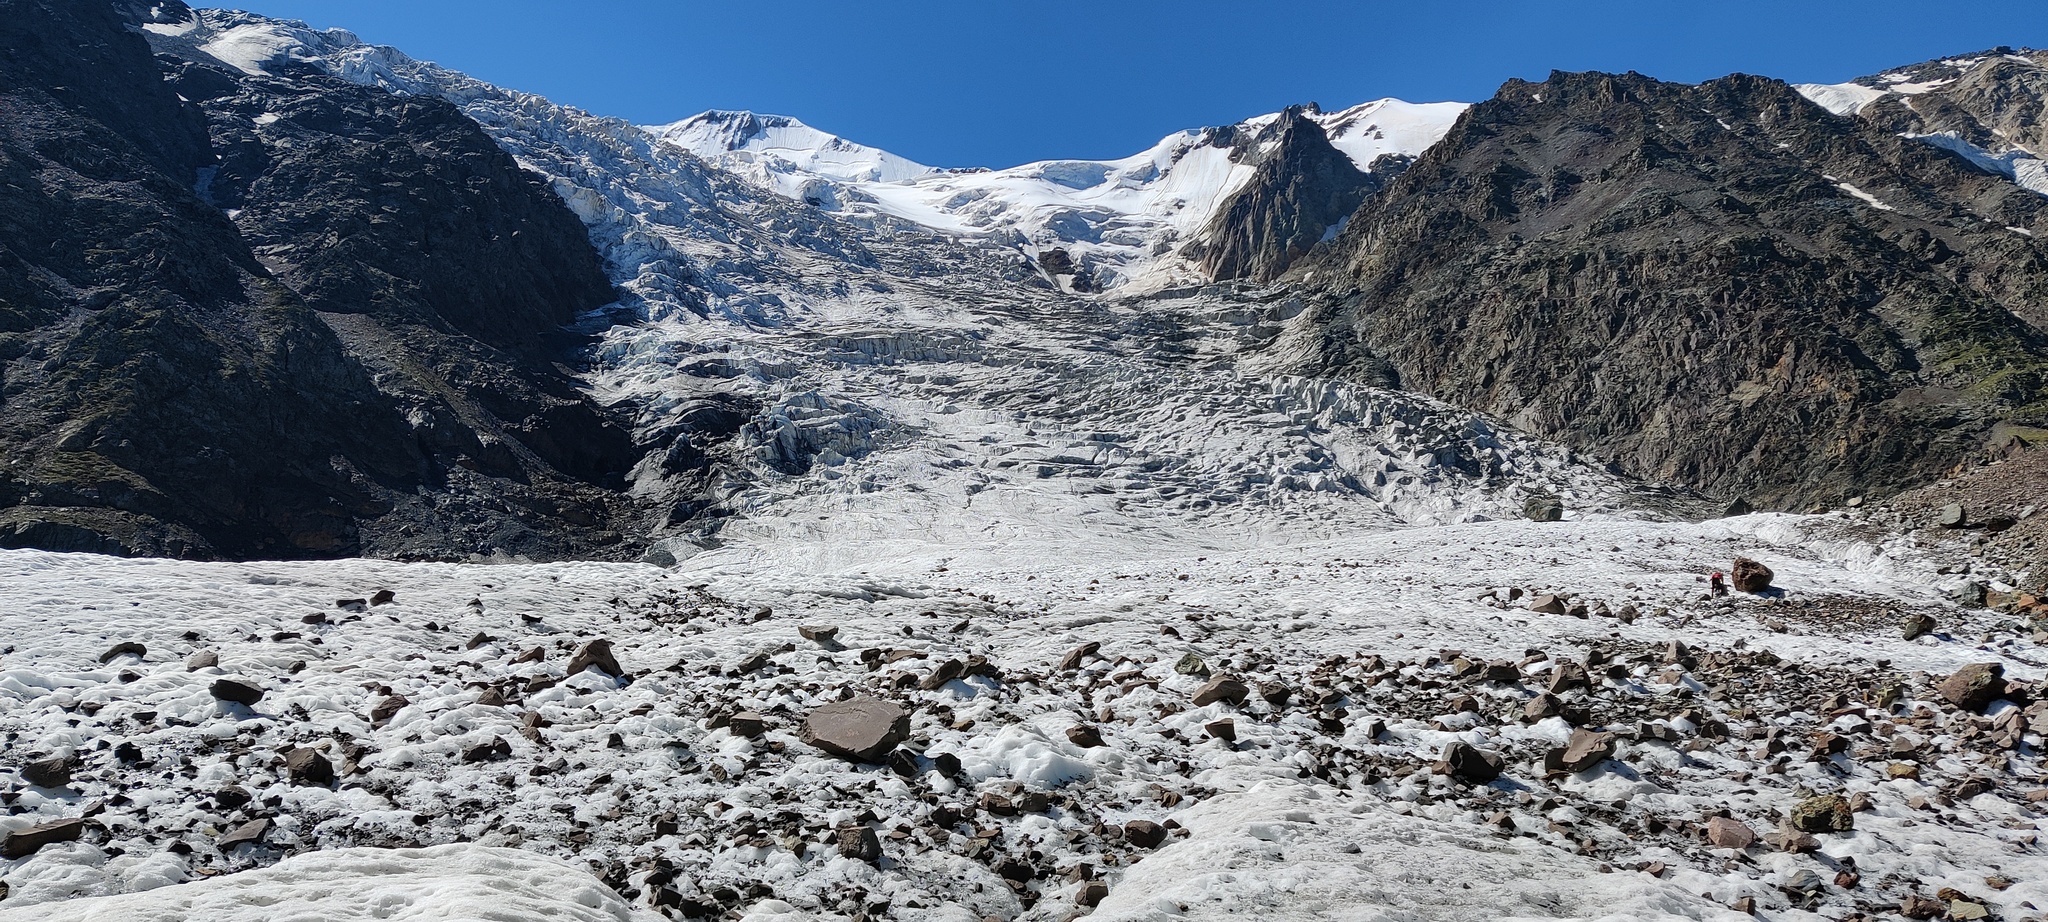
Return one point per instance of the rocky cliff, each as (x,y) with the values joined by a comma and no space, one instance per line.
(245,316)
(1721,285)
(1303,188)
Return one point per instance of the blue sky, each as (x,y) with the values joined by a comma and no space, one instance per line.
(1000,82)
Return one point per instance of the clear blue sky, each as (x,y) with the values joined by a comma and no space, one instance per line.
(1000,82)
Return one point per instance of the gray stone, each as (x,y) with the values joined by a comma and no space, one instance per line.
(125,648)
(1953,516)
(860,843)
(53,772)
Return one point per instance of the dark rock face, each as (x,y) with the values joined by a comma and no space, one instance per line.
(1680,280)
(1302,189)
(289,318)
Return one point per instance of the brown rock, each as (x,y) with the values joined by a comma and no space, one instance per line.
(1586,749)
(860,843)
(596,654)
(1547,604)
(1543,707)
(1144,833)
(1092,894)
(249,833)
(1918,625)
(388,708)
(1225,729)
(1222,688)
(22,843)
(125,648)
(53,772)
(383,597)
(238,692)
(308,767)
(1723,832)
(1078,655)
(816,633)
(946,672)
(1465,763)
(1750,576)
(1975,686)
(1084,736)
(862,729)
(748,724)
(1915,906)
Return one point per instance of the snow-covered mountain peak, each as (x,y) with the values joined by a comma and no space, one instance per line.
(736,137)
(1121,224)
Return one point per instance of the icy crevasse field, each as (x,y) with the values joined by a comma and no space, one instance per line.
(1033,521)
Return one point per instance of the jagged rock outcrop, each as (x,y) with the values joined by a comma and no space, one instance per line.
(1301,190)
(1721,285)
(248,316)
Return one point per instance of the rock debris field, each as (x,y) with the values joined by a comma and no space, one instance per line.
(1521,720)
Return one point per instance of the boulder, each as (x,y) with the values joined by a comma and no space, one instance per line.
(1547,604)
(1222,688)
(1144,833)
(861,730)
(860,843)
(236,691)
(818,634)
(1750,576)
(125,648)
(1723,832)
(1953,516)
(388,708)
(1085,736)
(309,767)
(1468,764)
(748,724)
(1543,508)
(201,659)
(383,597)
(1918,625)
(53,772)
(1078,655)
(596,654)
(1586,749)
(1975,686)
(22,843)
(1826,813)
(248,833)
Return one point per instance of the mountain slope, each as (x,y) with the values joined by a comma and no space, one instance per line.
(352,357)
(1720,285)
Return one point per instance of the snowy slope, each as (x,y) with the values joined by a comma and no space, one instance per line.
(1996,152)
(1311,813)
(1121,220)
(782,147)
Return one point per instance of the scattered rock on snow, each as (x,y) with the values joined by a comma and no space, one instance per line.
(22,843)
(250,832)
(1918,625)
(1586,749)
(53,772)
(1084,736)
(309,767)
(236,691)
(1144,833)
(862,729)
(860,843)
(597,653)
(1466,763)
(1723,832)
(125,648)
(1223,687)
